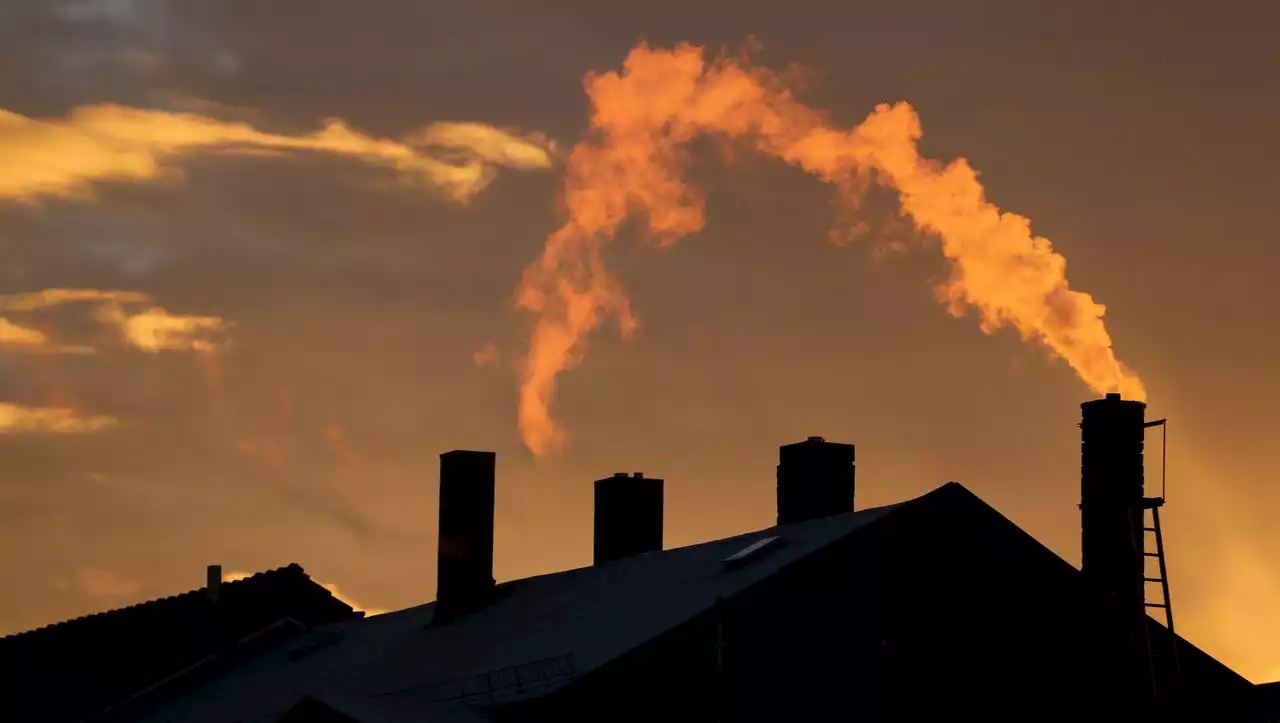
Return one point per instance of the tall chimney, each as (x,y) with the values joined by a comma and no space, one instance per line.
(1111,499)
(815,479)
(465,569)
(213,582)
(628,516)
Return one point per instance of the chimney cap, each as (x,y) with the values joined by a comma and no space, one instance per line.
(1113,396)
(619,474)
(638,475)
(815,439)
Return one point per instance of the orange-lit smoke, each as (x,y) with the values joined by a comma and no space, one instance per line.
(64,156)
(633,163)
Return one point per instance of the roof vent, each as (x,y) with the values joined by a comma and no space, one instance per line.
(754,551)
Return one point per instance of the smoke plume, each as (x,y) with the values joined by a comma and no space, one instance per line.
(64,157)
(632,163)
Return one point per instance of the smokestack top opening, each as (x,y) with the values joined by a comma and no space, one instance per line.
(1113,396)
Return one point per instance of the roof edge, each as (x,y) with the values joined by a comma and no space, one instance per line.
(292,568)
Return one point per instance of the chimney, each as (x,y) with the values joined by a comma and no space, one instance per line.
(815,479)
(1111,499)
(213,582)
(628,516)
(465,554)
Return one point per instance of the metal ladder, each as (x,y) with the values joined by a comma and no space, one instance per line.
(1154,504)
(1165,603)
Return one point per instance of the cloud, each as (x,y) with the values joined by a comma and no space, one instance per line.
(19,418)
(99,583)
(332,588)
(34,341)
(32,300)
(13,335)
(115,40)
(156,329)
(152,329)
(63,157)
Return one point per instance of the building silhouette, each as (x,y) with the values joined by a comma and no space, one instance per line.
(935,608)
(101,664)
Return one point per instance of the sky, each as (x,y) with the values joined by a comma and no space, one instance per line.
(297,231)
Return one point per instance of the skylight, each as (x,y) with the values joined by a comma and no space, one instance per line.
(751,552)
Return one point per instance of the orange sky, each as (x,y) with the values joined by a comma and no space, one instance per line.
(1140,141)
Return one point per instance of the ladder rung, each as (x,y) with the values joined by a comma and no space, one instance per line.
(1153,579)
(1156,605)
(1151,554)
(1148,529)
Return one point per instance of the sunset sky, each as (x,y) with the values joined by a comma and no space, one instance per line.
(281,242)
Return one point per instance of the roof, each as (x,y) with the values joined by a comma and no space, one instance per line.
(554,627)
(546,631)
(46,634)
(111,655)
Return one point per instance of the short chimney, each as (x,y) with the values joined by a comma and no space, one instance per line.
(1111,498)
(815,479)
(628,516)
(213,582)
(465,556)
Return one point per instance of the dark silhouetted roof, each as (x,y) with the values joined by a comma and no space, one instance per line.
(553,628)
(540,634)
(73,669)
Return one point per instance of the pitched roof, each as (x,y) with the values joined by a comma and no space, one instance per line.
(551,628)
(110,655)
(541,632)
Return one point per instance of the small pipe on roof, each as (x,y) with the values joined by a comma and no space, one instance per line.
(213,583)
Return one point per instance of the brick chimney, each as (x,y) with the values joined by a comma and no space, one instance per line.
(815,479)
(1111,536)
(628,516)
(465,554)
(1111,499)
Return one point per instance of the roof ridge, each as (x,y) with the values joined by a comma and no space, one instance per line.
(291,568)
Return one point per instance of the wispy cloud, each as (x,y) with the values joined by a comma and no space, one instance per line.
(12,334)
(20,418)
(155,329)
(34,341)
(45,298)
(64,157)
(152,329)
